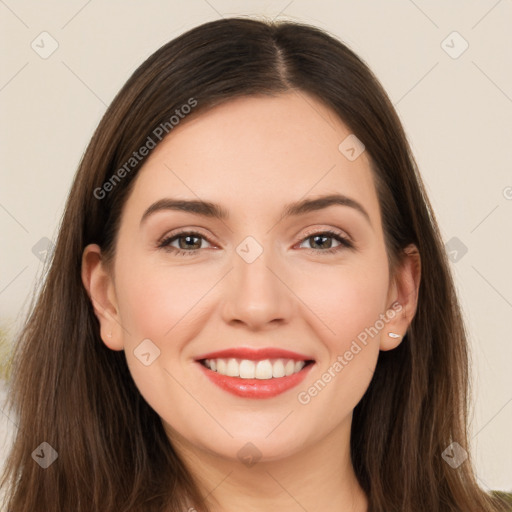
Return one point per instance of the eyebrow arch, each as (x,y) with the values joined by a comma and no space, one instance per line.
(215,211)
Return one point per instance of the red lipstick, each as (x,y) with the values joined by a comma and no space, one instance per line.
(255,354)
(255,388)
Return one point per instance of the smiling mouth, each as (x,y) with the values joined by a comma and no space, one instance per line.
(264,369)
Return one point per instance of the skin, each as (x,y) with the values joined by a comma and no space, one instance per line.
(253,155)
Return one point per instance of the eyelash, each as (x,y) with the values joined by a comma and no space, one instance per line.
(345,243)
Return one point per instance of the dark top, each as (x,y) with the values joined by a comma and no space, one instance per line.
(506,497)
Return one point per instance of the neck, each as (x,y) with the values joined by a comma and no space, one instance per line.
(318,477)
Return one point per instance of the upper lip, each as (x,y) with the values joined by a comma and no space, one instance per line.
(255,354)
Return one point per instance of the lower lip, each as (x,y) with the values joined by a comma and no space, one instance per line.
(256,388)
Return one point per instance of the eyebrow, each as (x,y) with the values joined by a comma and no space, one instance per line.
(215,211)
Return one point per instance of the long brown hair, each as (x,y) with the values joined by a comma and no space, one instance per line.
(69,390)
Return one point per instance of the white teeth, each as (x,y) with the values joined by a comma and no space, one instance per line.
(264,369)
(221,366)
(278,369)
(290,367)
(248,369)
(232,369)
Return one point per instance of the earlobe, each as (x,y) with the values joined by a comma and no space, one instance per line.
(405,291)
(392,341)
(100,289)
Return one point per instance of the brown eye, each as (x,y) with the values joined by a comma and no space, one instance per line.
(188,243)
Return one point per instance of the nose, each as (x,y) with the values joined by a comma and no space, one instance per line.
(257,294)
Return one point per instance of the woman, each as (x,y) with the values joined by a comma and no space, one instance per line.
(188,352)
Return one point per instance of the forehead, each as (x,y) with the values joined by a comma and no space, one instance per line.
(254,153)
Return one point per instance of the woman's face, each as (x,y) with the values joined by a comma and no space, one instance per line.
(259,278)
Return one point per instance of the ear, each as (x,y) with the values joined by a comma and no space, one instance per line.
(100,288)
(403,295)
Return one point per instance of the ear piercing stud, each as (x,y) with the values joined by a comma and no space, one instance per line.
(109,334)
(393,335)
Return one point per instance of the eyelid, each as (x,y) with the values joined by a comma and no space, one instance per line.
(319,230)
(345,242)
(183,231)
(309,232)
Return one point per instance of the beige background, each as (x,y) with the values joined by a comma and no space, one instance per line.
(457,113)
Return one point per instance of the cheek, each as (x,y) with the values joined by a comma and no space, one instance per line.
(156,298)
(350,303)
(160,301)
(346,299)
